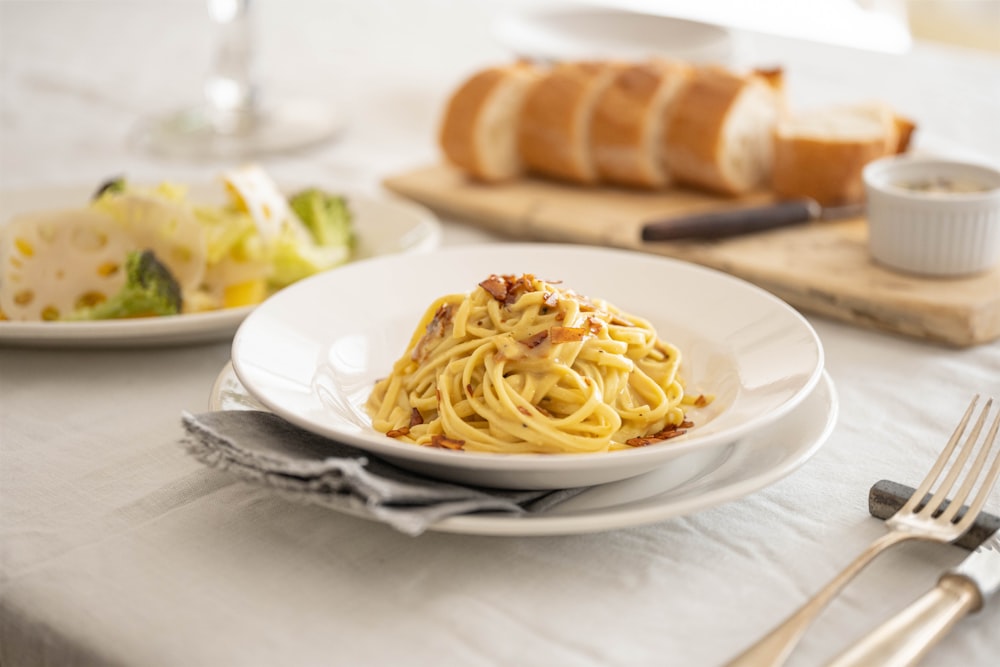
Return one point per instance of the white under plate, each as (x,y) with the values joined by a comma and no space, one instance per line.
(683,486)
(383,226)
(312,352)
(585,33)
(697,31)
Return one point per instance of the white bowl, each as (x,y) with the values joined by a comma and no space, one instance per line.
(312,352)
(933,217)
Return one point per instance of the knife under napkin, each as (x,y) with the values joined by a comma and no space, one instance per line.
(909,635)
(732,222)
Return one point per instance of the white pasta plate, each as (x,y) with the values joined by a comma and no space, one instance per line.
(689,483)
(312,352)
(383,225)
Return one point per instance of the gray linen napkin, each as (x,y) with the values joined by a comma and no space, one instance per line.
(263,448)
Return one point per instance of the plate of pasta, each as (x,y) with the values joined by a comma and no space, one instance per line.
(466,364)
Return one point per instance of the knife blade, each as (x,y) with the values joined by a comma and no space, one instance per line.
(909,635)
(744,220)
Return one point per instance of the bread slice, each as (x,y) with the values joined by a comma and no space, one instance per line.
(478,132)
(626,134)
(719,136)
(554,133)
(820,153)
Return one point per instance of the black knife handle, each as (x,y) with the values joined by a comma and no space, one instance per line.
(732,222)
(887,497)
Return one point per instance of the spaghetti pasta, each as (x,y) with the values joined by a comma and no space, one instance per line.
(520,365)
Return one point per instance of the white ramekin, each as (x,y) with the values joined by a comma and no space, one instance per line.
(932,233)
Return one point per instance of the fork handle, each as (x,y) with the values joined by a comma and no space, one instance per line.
(906,638)
(775,647)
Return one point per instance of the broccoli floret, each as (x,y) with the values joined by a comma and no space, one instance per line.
(150,290)
(115,185)
(326,216)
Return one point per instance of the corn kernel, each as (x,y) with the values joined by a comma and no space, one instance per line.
(246,293)
(182,254)
(237,197)
(90,299)
(24,247)
(108,269)
(24,297)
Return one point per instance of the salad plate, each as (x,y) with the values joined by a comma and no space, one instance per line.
(383,226)
(757,356)
(678,488)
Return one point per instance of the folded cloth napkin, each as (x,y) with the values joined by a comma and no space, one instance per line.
(262,447)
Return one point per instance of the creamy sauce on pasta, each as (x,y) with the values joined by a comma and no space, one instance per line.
(521,365)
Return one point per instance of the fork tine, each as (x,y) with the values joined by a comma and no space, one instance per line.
(941,496)
(942,459)
(989,481)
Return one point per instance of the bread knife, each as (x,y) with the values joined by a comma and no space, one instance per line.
(736,221)
(908,636)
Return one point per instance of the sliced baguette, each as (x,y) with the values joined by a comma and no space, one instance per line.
(626,134)
(820,153)
(478,132)
(719,136)
(554,133)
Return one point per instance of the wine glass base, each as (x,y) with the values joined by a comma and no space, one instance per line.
(285,127)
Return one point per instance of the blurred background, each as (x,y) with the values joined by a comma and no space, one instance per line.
(77,76)
(968,23)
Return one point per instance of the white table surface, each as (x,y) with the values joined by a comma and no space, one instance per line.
(116,548)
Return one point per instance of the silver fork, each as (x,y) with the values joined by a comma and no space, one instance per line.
(913,521)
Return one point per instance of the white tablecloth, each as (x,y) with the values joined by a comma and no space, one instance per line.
(116,548)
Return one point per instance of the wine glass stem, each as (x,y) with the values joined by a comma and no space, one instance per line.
(230,92)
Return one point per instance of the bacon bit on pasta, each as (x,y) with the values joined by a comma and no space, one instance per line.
(518,286)
(523,410)
(416,418)
(551,299)
(701,401)
(468,389)
(435,331)
(444,442)
(534,340)
(568,334)
(398,432)
(669,431)
(508,288)
(595,326)
(496,286)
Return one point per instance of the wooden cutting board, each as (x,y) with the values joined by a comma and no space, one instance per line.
(819,267)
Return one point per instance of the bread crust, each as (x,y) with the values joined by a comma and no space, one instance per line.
(554,133)
(820,154)
(650,124)
(698,139)
(626,133)
(478,132)
(828,172)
